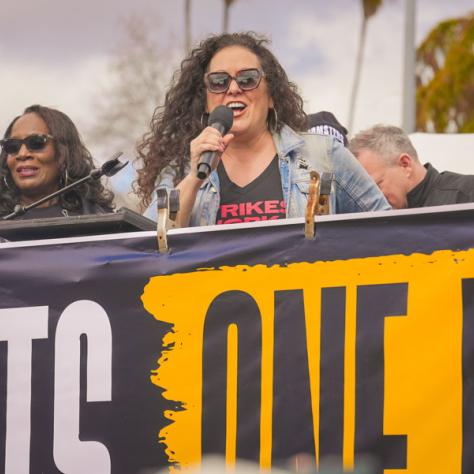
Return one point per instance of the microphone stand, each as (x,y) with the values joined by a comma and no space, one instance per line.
(109,168)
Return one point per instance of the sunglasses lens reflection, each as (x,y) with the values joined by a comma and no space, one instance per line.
(248,80)
(218,81)
(36,142)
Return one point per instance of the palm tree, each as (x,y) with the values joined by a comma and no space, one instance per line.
(369,8)
(187,25)
(445,77)
(225,24)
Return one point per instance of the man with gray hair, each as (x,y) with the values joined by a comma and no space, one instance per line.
(389,157)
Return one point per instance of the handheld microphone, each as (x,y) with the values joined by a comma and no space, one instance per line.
(221,118)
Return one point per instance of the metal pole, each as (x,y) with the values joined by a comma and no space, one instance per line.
(409,86)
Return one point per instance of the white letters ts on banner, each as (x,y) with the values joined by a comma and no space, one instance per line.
(19,326)
(71,455)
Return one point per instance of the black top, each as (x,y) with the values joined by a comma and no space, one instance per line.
(260,200)
(437,189)
(43,212)
(56,210)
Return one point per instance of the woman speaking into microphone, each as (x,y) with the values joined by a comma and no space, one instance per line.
(262,165)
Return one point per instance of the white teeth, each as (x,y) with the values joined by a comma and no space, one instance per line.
(236,105)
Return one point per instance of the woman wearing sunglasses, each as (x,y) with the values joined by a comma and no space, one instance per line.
(42,152)
(265,158)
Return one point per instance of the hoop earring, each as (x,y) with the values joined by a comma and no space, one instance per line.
(6,182)
(272,120)
(204,119)
(64,178)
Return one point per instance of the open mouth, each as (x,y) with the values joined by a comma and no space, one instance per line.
(237,107)
(27,171)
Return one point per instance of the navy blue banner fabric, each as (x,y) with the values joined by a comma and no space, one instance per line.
(112,274)
(53,279)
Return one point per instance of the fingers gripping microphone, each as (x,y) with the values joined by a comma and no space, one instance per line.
(221,119)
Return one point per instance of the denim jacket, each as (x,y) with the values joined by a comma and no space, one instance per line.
(299,153)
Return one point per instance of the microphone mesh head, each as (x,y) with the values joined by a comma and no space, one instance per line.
(222,115)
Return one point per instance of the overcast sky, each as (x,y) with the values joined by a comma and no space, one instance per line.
(56,52)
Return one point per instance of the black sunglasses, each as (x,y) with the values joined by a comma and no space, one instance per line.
(219,82)
(35,142)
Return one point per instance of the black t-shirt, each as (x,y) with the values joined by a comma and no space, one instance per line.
(260,200)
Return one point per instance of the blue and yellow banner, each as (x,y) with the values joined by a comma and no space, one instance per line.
(250,342)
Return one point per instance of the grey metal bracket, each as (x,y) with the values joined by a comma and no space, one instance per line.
(168,207)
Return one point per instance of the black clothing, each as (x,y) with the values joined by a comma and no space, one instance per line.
(45,212)
(56,210)
(325,123)
(437,189)
(260,200)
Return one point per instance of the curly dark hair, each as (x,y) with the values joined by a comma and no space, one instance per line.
(77,159)
(178,121)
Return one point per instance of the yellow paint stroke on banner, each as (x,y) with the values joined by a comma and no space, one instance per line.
(423,366)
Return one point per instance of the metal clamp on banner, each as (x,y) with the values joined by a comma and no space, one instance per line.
(168,207)
(318,200)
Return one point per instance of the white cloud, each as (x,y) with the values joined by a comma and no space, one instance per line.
(326,81)
(66,88)
(430,13)
(336,40)
(315,41)
(69,89)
